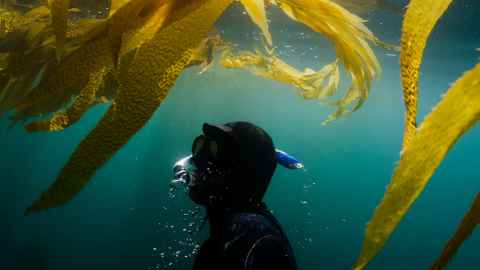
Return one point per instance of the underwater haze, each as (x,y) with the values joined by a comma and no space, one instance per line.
(126,218)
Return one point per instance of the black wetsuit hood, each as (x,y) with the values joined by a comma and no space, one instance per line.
(254,154)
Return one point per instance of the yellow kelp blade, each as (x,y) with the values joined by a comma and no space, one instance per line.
(421,17)
(59,10)
(67,79)
(81,104)
(468,225)
(135,37)
(121,21)
(349,36)
(154,71)
(100,66)
(256,10)
(116,4)
(72,73)
(453,116)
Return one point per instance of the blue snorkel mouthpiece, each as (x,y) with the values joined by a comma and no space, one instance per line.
(287,160)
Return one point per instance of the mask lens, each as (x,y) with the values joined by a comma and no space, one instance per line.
(205,151)
(198,144)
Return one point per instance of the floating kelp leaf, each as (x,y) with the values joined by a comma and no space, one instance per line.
(9,21)
(108,90)
(116,4)
(256,10)
(154,71)
(349,36)
(65,80)
(59,9)
(16,23)
(134,35)
(311,84)
(32,59)
(453,116)
(122,21)
(203,54)
(421,17)
(26,56)
(81,104)
(72,74)
(99,66)
(469,222)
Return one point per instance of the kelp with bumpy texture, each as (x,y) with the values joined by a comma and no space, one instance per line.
(25,54)
(159,62)
(350,38)
(469,222)
(421,17)
(81,104)
(453,116)
(65,80)
(128,18)
(72,74)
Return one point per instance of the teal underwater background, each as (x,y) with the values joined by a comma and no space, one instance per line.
(125,218)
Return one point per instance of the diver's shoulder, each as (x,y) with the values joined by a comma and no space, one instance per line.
(260,223)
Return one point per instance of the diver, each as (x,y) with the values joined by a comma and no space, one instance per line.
(228,173)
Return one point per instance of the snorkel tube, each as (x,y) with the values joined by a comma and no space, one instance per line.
(287,161)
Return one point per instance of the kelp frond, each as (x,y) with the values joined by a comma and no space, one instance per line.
(469,222)
(203,55)
(421,17)
(81,104)
(59,9)
(67,79)
(350,38)
(311,84)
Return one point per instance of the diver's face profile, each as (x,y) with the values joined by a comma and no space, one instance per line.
(208,181)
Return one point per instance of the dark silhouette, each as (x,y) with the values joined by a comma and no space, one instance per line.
(232,167)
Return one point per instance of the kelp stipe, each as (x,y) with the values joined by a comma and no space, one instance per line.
(469,222)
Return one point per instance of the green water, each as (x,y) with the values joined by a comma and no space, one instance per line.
(124,218)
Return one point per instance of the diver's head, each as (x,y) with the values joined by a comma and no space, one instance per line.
(234,164)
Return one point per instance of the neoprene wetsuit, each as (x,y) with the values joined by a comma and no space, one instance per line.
(245,240)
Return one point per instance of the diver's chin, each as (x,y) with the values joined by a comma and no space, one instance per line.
(197,196)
